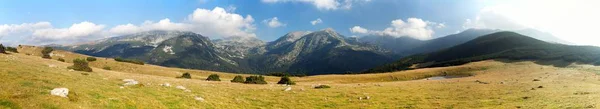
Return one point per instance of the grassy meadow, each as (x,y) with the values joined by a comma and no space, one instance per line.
(26,80)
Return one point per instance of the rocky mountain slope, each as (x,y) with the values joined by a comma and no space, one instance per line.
(320,52)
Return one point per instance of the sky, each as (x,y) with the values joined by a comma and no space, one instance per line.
(40,22)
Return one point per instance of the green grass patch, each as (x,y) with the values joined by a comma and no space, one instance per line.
(8,104)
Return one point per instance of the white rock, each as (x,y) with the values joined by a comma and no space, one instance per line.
(288,89)
(51,65)
(130,82)
(187,90)
(70,70)
(62,92)
(368,97)
(121,87)
(166,85)
(181,87)
(199,99)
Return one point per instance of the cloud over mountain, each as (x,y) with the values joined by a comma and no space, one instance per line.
(213,23)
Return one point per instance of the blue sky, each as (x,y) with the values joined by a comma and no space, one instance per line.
(57,19)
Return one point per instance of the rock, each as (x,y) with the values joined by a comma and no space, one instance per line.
(360,98)
(166,85)
(130,82)
(536,79)
(288,89)
(481,82)
(62,92)
(181,87)
(187,90)
(121,87)
(51,65)
(368,97)
(197,98)
(540,87)
(70,70)
(301,89)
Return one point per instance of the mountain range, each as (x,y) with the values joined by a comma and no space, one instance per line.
(299,52)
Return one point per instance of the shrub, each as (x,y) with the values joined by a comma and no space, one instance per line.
(129,61)
(186,75)
(106,68)
(213,77)
(322,87)
(11,49)
(238,79)
(61,59)
(80,65)
(2,49)
(46,52)
(286,80)
(255,80)
(90,59)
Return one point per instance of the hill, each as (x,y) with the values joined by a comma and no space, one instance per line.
(500,45)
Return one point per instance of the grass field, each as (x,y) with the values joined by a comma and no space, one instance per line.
(26,80)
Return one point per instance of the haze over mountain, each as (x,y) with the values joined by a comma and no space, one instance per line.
(408,45)
(499,45)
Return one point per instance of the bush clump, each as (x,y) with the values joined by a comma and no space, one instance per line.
(61,59)
(2,49)
(90,59)
(213,77)
(106,68)
(255,80)
(129,61)
(186,75)
(46,52)
(238,79)
(11,49)
(322,87)
(80,65)
(286,80)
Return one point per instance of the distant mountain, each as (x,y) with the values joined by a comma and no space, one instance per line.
(311,53)
(192,51)
(408,46)
(449,41)
(499,45)
(320,52)
(544,36)
(238,47)
(124,46)
(397,45)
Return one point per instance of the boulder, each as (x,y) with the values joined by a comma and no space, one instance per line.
(181,87)
(62,92)
(197,98)
(130,82)
(288,89)
(166,85)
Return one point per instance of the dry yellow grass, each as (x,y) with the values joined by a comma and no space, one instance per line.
(26,81)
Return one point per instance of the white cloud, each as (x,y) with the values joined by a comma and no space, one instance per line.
(78,30)
(212,23)
(45,33)
(273,22)
(574,20)
(358,29)
(317,21)
(440,25)
(413,27)
(323,4)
